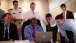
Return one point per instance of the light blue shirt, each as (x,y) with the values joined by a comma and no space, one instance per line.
(28,31)
(70,25)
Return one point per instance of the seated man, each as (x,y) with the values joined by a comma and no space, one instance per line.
(51,26)
(67,29)
(27,23)
(30,30)
(8,30)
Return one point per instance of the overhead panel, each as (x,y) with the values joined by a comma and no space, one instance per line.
(55,3)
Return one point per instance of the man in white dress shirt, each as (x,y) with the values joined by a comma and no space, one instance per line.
(51,26)
(67,29)
(30,14)
(17,14)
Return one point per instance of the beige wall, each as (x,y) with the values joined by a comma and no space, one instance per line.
(70,6)
(41,5)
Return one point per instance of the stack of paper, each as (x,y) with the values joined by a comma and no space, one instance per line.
(22,41)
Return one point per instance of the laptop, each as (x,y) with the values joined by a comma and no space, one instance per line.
(43,36)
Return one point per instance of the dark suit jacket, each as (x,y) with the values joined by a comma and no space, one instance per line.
(27,23)
(12,32)
(69,15)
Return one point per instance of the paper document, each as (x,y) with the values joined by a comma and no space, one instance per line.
(22,41)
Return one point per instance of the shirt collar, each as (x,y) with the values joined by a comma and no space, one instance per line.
(15,9)
(33,10)
(32,27)
(8,24)
(65,11)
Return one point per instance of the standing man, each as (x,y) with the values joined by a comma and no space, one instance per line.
(28,15)
(31,29)
(17,14)
(8,30)
(66,14)
(51,26)
(32,13)
(67,29)
(1,14)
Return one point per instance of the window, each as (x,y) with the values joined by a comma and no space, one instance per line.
(75,15)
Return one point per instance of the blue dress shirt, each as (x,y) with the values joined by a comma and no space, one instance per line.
(69,25)
(28,32)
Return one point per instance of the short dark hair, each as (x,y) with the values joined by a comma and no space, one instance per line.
(15,1)
(33,19)
(60,16)
(6,14)
(32,3)
(48,15)
(63,5)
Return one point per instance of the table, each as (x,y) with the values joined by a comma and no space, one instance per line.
(13,41)
(6,41)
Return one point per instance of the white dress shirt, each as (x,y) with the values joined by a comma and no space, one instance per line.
(30,14)
(64,14)
(52,22)
(69,25)
(17,13)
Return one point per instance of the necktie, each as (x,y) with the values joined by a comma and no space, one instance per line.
(64,15)
(6,33)
(33,12)
(49,29)
(34,32)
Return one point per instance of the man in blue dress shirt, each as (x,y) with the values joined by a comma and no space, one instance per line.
(30,30)
(67,29)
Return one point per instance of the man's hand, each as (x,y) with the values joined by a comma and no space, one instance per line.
(67,40)
(16,19)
